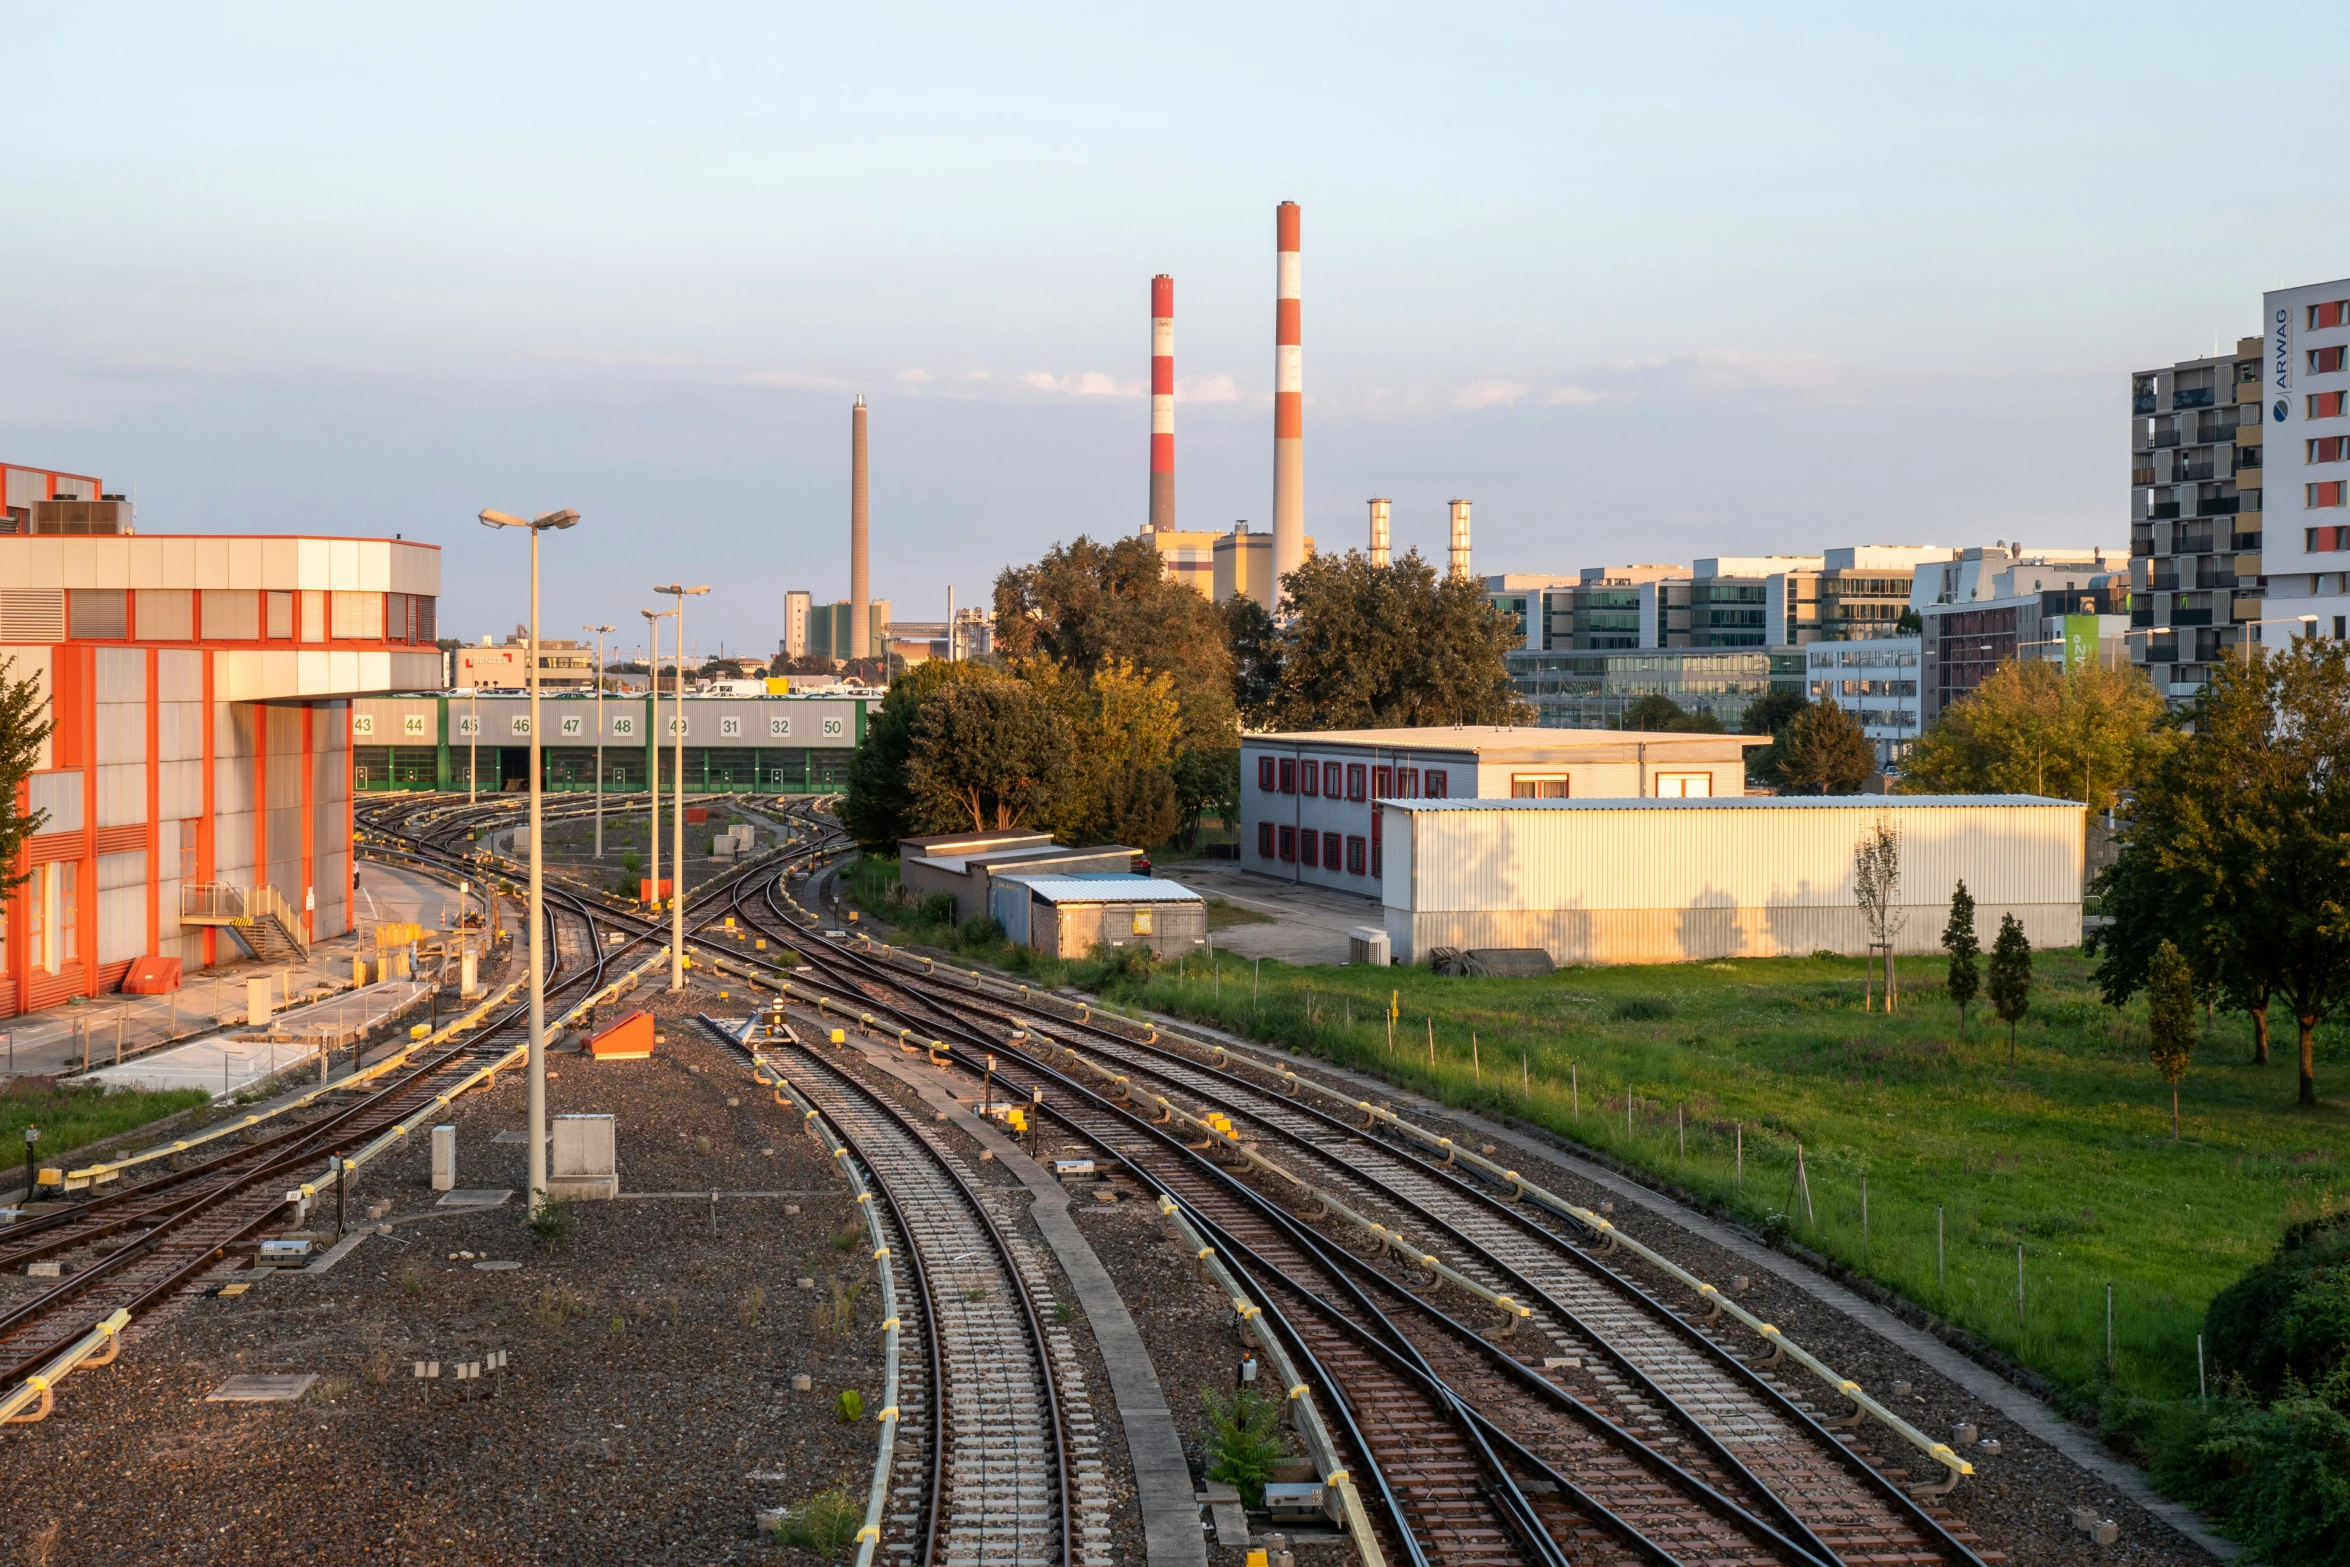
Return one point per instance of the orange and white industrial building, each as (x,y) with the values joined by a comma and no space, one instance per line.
(200,761)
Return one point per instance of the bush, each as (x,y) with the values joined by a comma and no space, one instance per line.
(551,1225)
(826,1523)
(1644,1009)
(2287,1322)
(1244,1441)
(937,908)
(2276,1478)
(981,930)
(849,1408)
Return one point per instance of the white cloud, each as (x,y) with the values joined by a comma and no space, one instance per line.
(1485,394)
(914,377)
(1208,389)
(1083,383)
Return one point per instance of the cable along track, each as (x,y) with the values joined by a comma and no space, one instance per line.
(1450,1469)
(1002,1498)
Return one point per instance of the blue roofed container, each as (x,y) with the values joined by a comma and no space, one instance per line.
(1065,916)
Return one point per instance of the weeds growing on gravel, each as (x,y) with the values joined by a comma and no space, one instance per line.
(411,1277)
(826,1523)
(551,1225)
(849,1408)
(554,1308)
(746,1310)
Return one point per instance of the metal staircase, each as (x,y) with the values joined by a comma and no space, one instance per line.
(263,922)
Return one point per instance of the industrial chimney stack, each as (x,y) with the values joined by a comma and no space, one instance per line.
(1289,454)
(860,584)
(1460,539)
(1162,404)
(1379,550)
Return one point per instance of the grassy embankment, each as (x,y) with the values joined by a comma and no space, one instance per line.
(73,1118)
(2069,1157)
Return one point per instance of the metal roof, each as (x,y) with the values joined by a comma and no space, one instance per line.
(1751,802)
(1497,739)
(1105,889)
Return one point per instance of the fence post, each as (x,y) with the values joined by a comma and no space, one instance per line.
(2109,1330)
(1941,1277)
(2019,1281)
(1739,1181)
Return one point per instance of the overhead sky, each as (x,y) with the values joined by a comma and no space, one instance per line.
(1644,282)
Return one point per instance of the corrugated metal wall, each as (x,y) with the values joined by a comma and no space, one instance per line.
(234,727)
(330,797)
(122,738)
(282,798)
(1671,882)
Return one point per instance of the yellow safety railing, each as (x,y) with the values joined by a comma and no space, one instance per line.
(95,1348)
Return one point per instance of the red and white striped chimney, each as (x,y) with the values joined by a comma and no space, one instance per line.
(1162,404)
(1289,395)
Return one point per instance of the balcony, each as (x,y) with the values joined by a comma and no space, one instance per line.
(2196,399)
(2163,511)
(2219,506)
(2140,478)
(2192,541)
(2193,472)
(2247,457)
(2189,617)
(2163,582)
(2141,545)
(2248,541)
(2143,403)
(2141,614)
(2163,438)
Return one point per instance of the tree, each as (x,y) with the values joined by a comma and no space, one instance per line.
(1768,715)
(1958,939)
(2170,1021)
(2089,733)
(881,807)
(1823,750)
(24,727)
(990,754)
(2231,849)
(1122,774)
(1205,781)
(2010,979)
(1876,887)
(1658,713)
(1381,647)
(1256,660)
(784,664)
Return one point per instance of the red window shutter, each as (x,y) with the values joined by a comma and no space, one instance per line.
(1374,825)
(1375,860)
(1265,840)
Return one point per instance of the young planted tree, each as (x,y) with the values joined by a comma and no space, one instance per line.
(1958,939)
(2010,979)
(2170,1020)
(1876,885)
(24,725)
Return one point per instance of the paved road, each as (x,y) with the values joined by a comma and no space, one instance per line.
(1309,923)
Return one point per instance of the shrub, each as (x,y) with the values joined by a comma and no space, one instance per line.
(2277,1478)
(826,1523)
(981,930)
(551,1225)
(937,908)
(2288,1320)
(1244,1441)
(1644,1009)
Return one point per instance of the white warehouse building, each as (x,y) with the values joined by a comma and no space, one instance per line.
(1671,881)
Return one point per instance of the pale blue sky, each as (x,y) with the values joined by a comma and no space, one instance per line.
(1645,283)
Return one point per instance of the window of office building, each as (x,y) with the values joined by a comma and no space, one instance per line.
(1354,780)
(2334,448)
(2324,361)
(1309,844)
(1265,773)
(1684,786)
(1382,783)
(1331,779)
(1288,776)
(1538,786)
(2334,492)
(1309,778)
(2325,541)
(1354,842)
(2334,312)
(2328,405)
(1288,840)
(1265,840)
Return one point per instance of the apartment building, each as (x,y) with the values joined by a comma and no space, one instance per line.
(1962,643)
(2303,387)
(2196,444)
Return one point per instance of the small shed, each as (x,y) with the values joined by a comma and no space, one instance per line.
(965,866)
(1064,916)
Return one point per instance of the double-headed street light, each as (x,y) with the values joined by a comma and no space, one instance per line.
(653,619)
(538,924)
(600,633)
(677,843)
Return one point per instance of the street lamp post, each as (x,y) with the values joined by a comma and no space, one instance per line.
(2307,622)
(599,631)
(472,745)
(538,924)
(653,619)
(677,843)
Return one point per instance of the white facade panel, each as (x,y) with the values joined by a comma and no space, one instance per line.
(122,795)
(36,563)
(249,563)
(122,906)
(1672,880)
(179,677)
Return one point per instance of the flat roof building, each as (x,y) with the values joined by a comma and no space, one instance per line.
(200,768)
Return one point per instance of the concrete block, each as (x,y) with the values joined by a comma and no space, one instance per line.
(259,1002)
(469,975)
(583,1160)
(444,1158)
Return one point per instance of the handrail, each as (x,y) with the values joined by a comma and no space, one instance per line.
(1303,1413)
(868,1537)
(83,1353)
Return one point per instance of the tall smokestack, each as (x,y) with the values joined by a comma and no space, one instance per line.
(1460,538)
(1162,404)
(1379,510)
(860,585)
(1289,396)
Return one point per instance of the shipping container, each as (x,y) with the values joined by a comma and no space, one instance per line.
(1663,881)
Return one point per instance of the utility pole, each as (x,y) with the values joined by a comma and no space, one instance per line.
(677,842)
(599,631)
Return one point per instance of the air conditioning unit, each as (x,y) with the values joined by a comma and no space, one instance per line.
(84,518)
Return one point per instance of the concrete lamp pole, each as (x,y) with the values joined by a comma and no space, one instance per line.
(538,925)
(600,632)
(653,619)
(677,827)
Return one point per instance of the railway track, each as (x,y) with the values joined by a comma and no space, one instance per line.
(993,1485)
(1679,1450)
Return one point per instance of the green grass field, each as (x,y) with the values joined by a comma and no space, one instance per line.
(2069,1158)
(70,1119)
